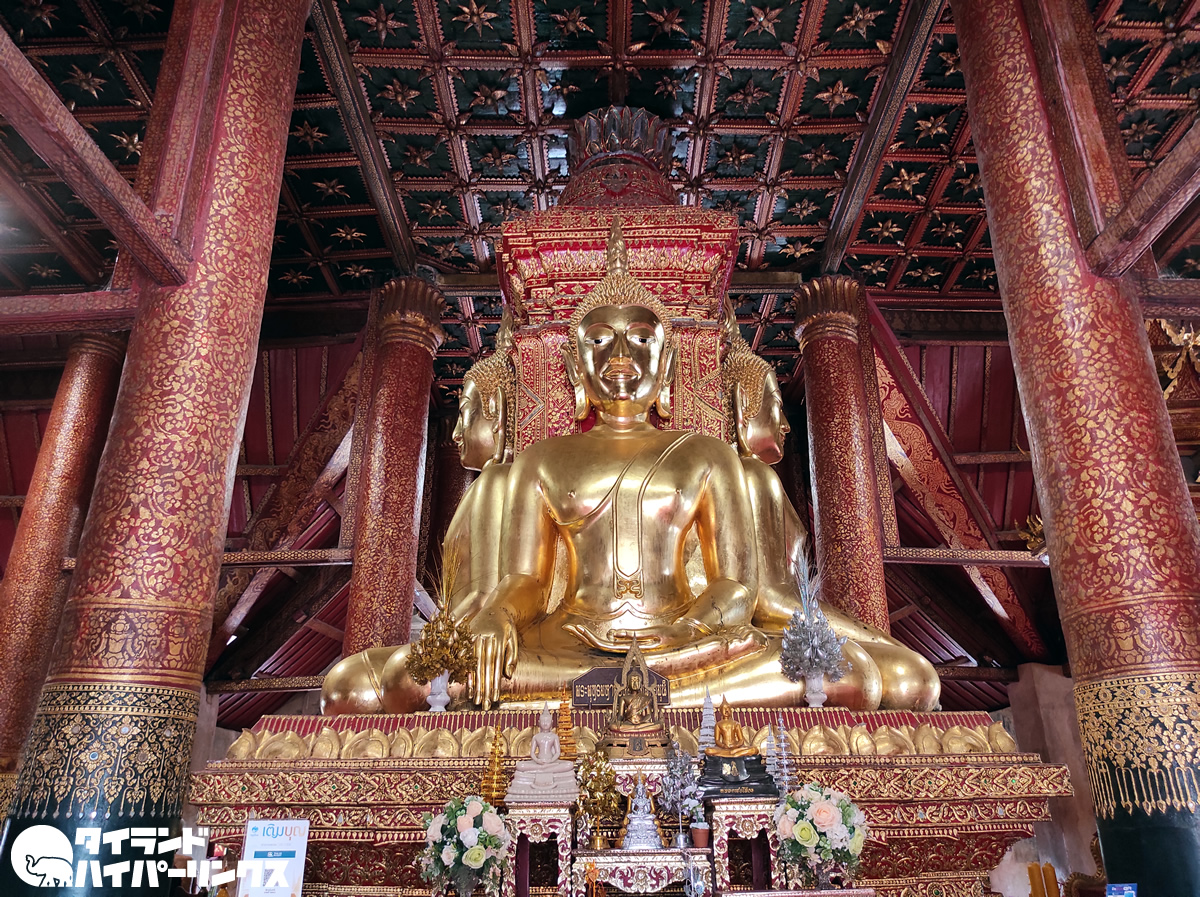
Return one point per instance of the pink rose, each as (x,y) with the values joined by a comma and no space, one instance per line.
(464,823)
(474,808)
(785,828)
(492,824)
(825,815)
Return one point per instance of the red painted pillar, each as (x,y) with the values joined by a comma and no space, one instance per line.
(1123,538)
(34,586)
(112,736)
(387,535)
(450,483)
(848,523)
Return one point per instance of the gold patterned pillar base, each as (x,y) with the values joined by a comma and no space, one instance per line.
(849,524)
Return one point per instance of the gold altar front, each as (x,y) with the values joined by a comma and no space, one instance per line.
(939,821)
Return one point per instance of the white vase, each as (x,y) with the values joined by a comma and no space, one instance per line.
(814,690)
(438,696)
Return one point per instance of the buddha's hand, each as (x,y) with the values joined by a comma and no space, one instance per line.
(495,655)
(663,637)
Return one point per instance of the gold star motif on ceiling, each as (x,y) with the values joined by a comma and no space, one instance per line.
(947,230)
(399,93)
(797,249)
(488,97)
(748,96)
(331,188)
(736,156)
(85,81)
(859,20)
(926,274)
(884,230)
(382,22)
(571,23)
(141,8)
(668,86)
(497,158)
(817,156)
(295,278)
(874,267)
(803,208)
(905,181)
(1184,69)
(835,95)
(308,134)
(45,272)
(40,11)
(667,22)
(949,62)
(349,234)
(476,16)
(762,20)
(130,144)
(1140,131)
(983,275)
(1121,66)
(417,156)
(969,182)
(928,128)
(358,272)
(435,209)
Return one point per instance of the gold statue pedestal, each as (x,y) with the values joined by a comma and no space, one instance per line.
(636,746)
(945,794)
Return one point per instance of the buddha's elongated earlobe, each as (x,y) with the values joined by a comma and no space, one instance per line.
(582,405)
(498,408)
(739,418)
(663,403)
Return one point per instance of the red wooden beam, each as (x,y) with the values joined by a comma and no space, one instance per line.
(1168,190)
(1091,149)
(30,105)
(67,312)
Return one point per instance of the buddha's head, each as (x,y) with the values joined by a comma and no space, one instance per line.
(621,357)
(634,681)
(545,720)
(481,433)
(755,401)
(725,712)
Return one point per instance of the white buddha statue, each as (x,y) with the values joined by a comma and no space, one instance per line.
(543,778)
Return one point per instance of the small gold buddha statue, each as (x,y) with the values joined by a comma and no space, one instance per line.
(635,725)
(729,735)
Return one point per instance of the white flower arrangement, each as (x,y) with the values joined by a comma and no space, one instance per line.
(820,828)
(466,845)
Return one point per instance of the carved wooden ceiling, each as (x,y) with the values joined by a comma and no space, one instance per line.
(836,130)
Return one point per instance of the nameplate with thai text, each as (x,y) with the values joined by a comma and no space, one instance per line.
(596,687)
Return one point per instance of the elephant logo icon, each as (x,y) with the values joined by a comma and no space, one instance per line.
(42,856)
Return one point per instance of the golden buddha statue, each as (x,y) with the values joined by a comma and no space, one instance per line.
(617,507)
(900,678)
(634,707)
(729,735)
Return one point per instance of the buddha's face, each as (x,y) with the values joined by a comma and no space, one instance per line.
(474,434)
(762,436)
(622,355)
(635,681)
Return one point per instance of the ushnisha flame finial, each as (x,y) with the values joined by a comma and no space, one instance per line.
(617,254)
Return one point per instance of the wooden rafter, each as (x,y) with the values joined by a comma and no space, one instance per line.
(66,312)
(33,109)
(912,45)
(1160,199)
(360,129)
